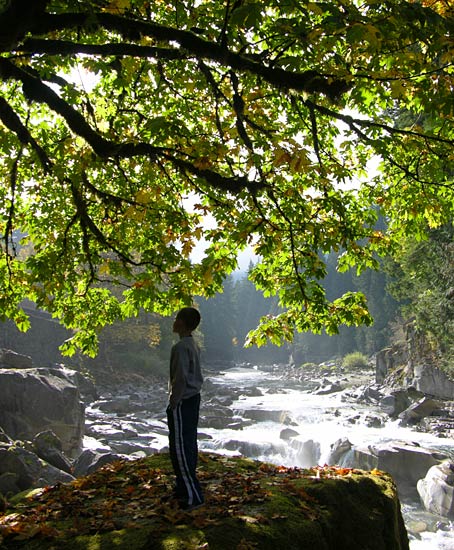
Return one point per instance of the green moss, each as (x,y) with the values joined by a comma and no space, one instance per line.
(249,506)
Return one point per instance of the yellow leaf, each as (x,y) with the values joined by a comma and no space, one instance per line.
(314,8)
(187,248)
(208,276)
(104,269)
(397,89)
(132,213)
(300,162)
(143,197)
(117,6)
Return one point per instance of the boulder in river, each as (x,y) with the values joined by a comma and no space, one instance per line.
(338,450)
(437,489)
(406,462)
(419,410)
(395,402)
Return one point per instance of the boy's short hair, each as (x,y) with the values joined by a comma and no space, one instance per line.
(190,317)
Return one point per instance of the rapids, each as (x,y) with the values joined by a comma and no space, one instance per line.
(319,420)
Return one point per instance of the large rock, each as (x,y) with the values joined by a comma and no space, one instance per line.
(433,381)
(12,360)
(388,359)
(419,410)
(86,385)
(338,451)
(21,469)
(406,462)
(89,461)
(437,489)
(249,505)
(395,402)
(49,448)
(35,400)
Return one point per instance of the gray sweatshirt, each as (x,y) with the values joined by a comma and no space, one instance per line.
(185,373)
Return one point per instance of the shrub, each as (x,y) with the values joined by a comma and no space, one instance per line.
(355,360)
(308,365)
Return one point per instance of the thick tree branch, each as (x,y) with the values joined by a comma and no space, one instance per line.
(16,20)
(65,47)
(308,81)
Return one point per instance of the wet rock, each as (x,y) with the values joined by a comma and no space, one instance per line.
(338,450)
(437,489)
(131,448)
(406,462)
(215,416)
(223,400)
(395,402)
(373,421)
(288,433)
(419,410)
(328,389)
(251,392)
(122,404)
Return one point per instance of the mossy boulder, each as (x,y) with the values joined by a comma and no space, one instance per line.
(249,505)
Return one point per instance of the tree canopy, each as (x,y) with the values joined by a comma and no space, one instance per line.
(133,130)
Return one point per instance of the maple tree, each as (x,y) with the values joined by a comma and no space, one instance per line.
(132,130)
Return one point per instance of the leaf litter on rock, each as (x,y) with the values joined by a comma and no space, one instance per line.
(129,493)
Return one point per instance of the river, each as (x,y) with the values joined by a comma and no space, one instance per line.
(322,419)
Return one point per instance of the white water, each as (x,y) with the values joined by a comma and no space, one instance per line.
(324,419)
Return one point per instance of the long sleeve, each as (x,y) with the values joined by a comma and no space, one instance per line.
(177,382)
(185,374)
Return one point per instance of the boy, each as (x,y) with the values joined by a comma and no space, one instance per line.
(183,409)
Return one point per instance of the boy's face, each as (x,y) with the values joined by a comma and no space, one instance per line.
(179,325)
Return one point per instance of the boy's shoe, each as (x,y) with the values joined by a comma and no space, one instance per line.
(190,507)
(171,498)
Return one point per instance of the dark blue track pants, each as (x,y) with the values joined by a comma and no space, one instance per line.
(182,422)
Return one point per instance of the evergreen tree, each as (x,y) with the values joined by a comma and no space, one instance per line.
(424,281)
(219,315)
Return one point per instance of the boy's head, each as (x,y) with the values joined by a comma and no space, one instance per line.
(187,320)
